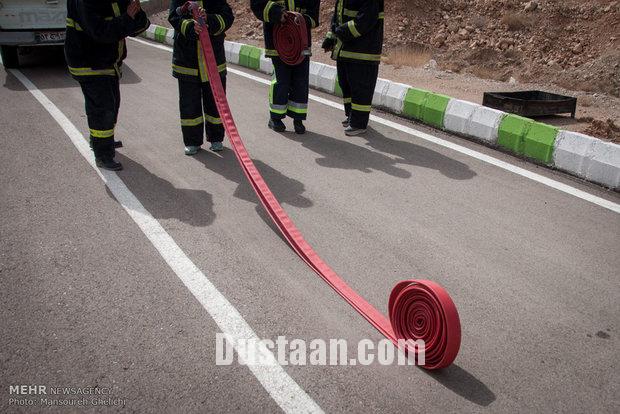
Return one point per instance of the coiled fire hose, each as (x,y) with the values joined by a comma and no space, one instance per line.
(418,309)
(291,38)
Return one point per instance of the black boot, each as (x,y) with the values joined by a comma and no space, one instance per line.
(299,127)
(108,163)
(277,125)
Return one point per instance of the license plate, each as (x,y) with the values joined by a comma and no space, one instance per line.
(50,37)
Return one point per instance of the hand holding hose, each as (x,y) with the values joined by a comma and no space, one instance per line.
(197,24)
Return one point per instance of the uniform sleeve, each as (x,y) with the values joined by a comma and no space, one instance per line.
(221,20)
(108,30)
(183,25)
(366,18)
(145,23)
(312,14)
(332,26)
(267,11)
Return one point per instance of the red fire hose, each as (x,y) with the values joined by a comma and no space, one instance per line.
(418,309)
(291,38)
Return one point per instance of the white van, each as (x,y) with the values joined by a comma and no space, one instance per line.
(30,23)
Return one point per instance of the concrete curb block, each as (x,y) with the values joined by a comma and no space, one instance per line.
(473,120)
(588,158)
(578,154)
(232,52)
(395,96)
(381,89)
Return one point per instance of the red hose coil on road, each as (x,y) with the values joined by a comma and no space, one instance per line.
(418,309)
(291,38)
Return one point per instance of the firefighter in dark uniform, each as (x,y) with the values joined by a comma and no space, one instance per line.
(289,88)
(199,114)
(95,50)
(356,43)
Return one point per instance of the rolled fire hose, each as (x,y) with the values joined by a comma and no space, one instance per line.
(291,38)
(418,309)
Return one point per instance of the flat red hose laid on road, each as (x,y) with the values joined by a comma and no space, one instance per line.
(418,309)
(291,38)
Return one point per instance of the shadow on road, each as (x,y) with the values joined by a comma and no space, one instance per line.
(342,154)
(461,382)
(286,190)
(162,199)
(411,154)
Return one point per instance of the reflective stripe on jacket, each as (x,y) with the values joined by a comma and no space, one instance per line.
(357,26)
(96,32)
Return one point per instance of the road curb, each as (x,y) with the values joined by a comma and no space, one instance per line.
(581,155)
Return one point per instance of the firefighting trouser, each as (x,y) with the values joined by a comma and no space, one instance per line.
(102,100)
(288,94)
(199,112)
(357,82)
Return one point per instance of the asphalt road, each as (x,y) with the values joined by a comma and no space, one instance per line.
(87,300)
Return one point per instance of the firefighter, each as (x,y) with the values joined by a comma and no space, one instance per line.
(289,88)
(356,43)
(95,50)
(199,114)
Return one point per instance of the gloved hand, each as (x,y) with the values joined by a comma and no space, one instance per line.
(328,44)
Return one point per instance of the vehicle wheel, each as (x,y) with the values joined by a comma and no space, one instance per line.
(9,56)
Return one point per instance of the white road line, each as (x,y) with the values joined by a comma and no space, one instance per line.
(549,182)
(280,386)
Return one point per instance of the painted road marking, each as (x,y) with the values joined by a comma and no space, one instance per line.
(549,182)
(280,386)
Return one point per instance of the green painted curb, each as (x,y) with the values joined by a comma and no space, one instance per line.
(527,137)
(160,34)
(244,56)
(539,142)
(414,101)
(511,132)
(249,56)
(434,109)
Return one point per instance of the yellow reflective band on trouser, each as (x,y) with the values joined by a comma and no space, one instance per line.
(117,11)
(360,108)
(298,108)
(184,24)
(184,71)
(271,52)
(353,29)
(276,109)
(97,133)
(192,122)
(266,10)
(222,25)
(213,120)
(92,72)
(72,23)
(360,56)
(346,100)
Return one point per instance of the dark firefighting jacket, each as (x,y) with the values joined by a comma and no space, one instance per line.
(357,26)
(187,58)
(96,32)
(270,13)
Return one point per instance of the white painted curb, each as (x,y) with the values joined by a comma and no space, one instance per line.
(327,79)
(266,65)
(381,89)
(588,158)
(473,120)
(232,52)
(395,96)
